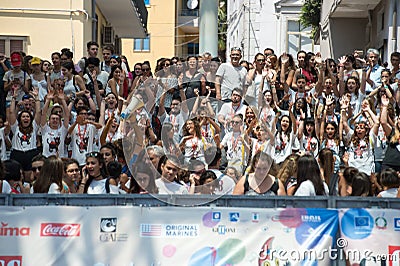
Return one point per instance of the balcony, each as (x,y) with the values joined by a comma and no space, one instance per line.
(352,8)
(188,20)
(127,17)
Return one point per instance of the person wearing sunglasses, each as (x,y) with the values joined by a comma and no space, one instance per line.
(50,178)
(236,144)
(82,133)
(95,178)
(254,78)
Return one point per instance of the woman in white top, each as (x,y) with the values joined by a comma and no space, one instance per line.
(74,84)
(255,78)
(38,78)
(114,81)
(193,144)
(309,181)
(24,128)
(95,178)
(50,178)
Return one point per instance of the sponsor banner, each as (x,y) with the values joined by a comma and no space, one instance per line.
(130,235)
(370,236)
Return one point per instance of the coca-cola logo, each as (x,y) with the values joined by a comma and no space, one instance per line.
(11,260)
(60,229)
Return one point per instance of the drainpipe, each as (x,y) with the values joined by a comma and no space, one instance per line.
(94,21)
(394,29)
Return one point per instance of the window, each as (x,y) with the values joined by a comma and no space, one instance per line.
(298,38)
(193,49)
(141,45)
(9,44)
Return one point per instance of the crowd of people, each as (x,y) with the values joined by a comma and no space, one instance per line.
(274,126)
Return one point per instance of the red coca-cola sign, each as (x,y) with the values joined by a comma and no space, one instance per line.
(11,260)
(60,229)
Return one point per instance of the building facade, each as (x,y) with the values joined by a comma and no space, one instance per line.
(350,25)
(41,27)
(255,25)
(173,30)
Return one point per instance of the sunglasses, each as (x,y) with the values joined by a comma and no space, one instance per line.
(34,169)
(167,65)
(261,60)
(73,171)
(197,172)
(145,69)
(236,122)
(92,154)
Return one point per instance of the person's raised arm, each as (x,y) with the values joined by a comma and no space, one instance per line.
(196,102)
(384,116)
(92,105)
(66,115)
(342,61)
(184,106)
(104,133)
(38,111)
(12,115)
(292,118)
(43,118)
(301,125)
(96,87)
(102,118)
(218,81)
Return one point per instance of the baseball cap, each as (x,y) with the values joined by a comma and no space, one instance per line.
(16,59)
(35,61)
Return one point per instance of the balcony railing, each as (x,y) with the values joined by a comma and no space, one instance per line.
(189,13)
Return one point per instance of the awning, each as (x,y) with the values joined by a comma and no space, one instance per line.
(127,17)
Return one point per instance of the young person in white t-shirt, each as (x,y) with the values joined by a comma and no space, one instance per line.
(54,130)
(81,133)
(24,128)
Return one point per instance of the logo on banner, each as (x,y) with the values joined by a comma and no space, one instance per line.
(10,260)
(394,255)
(216,216)
(255,217)
(397,224)
(361,222)
(108,225)
(311,218)
(222,230)
(149,230)
(234,217)
(108,231)
(60,229)
(169,230)
(381,223)
(6,230)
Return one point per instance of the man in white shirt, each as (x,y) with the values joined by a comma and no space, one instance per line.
(230,75)
(229,110)
(166,183)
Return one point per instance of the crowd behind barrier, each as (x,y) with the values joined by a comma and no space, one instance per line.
(199,126)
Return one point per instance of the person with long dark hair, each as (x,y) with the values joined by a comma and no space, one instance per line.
(95,177)
(309,181)
(24,127)
(261,179)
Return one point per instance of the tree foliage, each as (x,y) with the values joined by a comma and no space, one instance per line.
(222,27)
(311,14)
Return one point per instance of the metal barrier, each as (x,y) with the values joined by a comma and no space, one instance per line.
(198,200)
